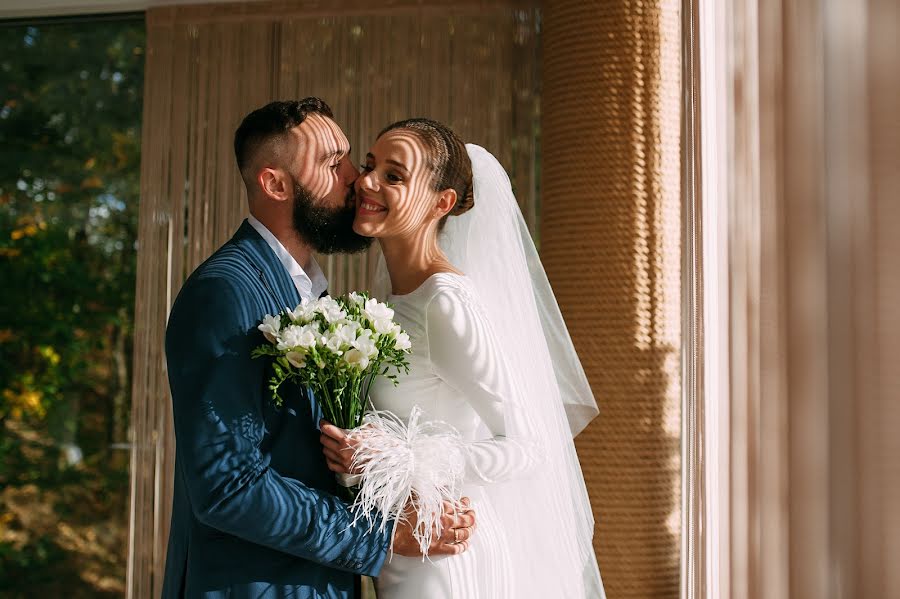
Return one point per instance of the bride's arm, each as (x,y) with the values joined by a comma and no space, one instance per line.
(465,354)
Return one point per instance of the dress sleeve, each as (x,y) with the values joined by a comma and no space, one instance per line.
(466,355)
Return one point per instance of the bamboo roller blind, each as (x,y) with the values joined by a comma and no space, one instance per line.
(473,65)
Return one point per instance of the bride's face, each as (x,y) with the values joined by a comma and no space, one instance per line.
(395,193)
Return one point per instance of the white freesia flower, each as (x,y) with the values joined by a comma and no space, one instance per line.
(366,345)
(334,343)
(333,315)
(347,332)
(296,359)
(356,358)
(402,341)
(297,336)
(310,332)
(357,299)
(270,327)
(395,330)
(325,304)
(383,326)
(304,311)
(375,310)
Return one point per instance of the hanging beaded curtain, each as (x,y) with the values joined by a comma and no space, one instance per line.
(471,64)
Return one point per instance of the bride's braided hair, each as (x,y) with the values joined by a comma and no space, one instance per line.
(447,159)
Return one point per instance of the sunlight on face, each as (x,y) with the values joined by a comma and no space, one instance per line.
(322,161)
(394,194)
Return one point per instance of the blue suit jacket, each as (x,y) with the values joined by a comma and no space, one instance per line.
(253,512)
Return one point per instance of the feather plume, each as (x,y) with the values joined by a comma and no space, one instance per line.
(417,464)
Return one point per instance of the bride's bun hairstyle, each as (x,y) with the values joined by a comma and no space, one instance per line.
(447,158)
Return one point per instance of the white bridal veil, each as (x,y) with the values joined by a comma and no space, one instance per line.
(547,517)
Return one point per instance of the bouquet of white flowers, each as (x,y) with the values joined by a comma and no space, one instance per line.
(337,347)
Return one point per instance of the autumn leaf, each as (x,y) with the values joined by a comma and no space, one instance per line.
(92,183)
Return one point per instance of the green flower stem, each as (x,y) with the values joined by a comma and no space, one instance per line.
(348,494)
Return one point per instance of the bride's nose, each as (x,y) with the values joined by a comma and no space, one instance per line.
(367,181)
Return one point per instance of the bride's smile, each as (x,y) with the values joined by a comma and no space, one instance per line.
(367,207)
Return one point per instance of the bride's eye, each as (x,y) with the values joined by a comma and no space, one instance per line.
(393,178)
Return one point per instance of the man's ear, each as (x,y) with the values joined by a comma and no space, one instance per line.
(275,184)
(446,202)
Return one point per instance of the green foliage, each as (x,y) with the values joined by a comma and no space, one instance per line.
(69,173)
(70,110)
(37,557)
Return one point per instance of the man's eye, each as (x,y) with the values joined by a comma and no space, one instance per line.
(366,168)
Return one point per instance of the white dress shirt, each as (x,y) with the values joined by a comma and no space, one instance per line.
(309,286)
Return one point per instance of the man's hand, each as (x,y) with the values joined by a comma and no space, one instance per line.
(457,527)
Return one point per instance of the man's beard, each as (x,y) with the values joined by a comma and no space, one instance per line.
(327,230)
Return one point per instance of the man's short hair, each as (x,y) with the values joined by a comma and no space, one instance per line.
(270,122)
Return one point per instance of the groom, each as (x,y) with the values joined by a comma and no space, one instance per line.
(254,512)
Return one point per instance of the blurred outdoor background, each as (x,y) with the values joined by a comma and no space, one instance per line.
(70,132)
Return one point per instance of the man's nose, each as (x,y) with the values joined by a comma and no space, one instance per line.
(350,172)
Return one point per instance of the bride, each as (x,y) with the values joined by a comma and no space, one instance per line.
(490,356)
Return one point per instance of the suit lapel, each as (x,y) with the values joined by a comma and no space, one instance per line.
(272,273)
(279,286)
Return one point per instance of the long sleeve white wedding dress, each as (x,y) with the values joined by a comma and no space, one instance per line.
(491,356)
(458,376)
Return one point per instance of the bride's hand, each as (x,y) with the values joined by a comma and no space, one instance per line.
(338,448)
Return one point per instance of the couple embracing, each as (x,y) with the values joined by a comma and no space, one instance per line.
(257,512)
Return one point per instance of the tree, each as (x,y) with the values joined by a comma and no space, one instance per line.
(70,109)
(69,172)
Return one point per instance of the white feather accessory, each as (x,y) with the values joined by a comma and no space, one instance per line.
(417,464)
